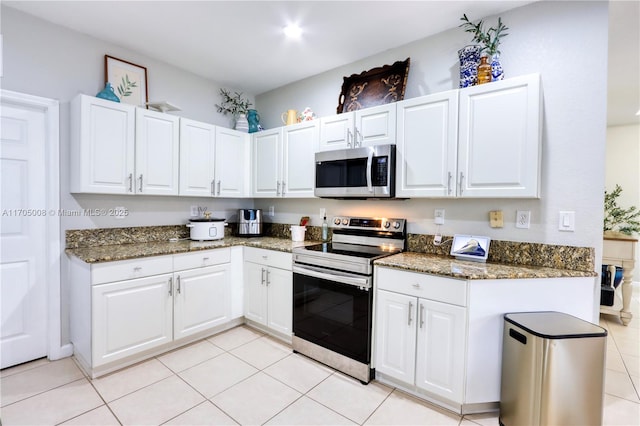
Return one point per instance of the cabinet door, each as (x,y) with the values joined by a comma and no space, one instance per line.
(336,132)
(102,146)
(300,143)
(375,126)
(231,153)
(280,300)
(130,317)
(255,292)
(265,159)
(427,140)
(157,153)
(396,335)
(202,299)
(441,349)
(500,139)
(197,158)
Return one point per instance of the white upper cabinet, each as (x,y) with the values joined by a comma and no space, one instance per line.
(427,133)
(157,153)
(197,158)
(266,155)
(367,127)
(283,161)
(102,146)
(231,163)
(499,139)
(300,143)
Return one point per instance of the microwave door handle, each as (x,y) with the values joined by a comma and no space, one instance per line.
(369,164)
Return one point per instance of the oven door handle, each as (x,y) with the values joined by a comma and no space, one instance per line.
(369,165)
(336,276)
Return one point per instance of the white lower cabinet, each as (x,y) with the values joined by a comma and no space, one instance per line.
(120,310)
(268,281)
(421,342)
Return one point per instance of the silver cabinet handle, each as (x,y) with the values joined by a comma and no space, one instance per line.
(449,183)
(349,138)
(283,185)
(130,182)
(410,310)
(268,279)
(262,277)
(170,286)
(140,182)
(219,187)
(357,141)
(460,183)
(178,280)
(278,187)
(421,315)
(415,285)
(213,190)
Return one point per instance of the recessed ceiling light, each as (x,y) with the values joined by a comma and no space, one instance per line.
(292,31)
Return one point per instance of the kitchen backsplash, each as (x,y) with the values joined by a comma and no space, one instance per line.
(508,252)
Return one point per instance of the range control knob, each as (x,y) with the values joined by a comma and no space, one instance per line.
(396,225)
(336,221)
(345,221)
(387,224)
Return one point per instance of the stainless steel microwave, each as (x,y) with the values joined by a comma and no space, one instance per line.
(367,172)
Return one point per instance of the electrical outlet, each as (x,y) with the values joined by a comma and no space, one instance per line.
(194,211)
(523,219)
(496,219)
(272,211)
(438,216)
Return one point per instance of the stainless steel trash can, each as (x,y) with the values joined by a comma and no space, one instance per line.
(552,370)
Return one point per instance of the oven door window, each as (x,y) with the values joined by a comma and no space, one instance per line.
(333,315)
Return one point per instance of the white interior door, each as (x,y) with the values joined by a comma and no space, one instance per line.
(23,230)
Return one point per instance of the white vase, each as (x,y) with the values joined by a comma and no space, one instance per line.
(242,124)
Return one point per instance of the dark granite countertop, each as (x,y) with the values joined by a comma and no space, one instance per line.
(113,252)
(449,267)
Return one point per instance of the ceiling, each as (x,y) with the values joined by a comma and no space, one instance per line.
(210,38)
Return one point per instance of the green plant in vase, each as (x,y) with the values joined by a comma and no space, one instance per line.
(489,40)
(237,106)
(616,218)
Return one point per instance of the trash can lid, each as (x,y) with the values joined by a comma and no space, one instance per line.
(554,325)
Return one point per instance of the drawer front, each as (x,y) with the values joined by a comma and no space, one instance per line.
(616,249)
(276,259)
(432,287)
(129,269)
(201,259)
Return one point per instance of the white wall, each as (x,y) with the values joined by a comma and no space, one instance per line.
(48,60)
(623,168)
(560,40)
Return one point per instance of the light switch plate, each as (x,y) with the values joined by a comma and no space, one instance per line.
(567,221)
(438,216)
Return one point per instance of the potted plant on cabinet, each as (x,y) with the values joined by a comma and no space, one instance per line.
(237,106)
(489,41)
(618,220)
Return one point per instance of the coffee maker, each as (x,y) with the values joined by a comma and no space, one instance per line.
(249,222)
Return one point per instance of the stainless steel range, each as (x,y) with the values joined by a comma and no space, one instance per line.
(333,292)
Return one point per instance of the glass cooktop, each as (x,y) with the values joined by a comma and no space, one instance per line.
(354,250)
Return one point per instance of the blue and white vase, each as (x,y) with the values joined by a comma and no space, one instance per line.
(469,60)
(497,73)
(242,124)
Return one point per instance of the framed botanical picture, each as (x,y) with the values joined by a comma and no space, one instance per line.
(129,81)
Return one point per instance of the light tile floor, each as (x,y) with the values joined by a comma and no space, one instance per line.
(244,377)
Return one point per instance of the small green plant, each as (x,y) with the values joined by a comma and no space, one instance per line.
(234,104)
(124,88)
(617,218)
(490,39)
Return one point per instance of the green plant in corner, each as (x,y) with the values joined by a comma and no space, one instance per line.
(124,88)
(490,39)
(234,104)
(618,219)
